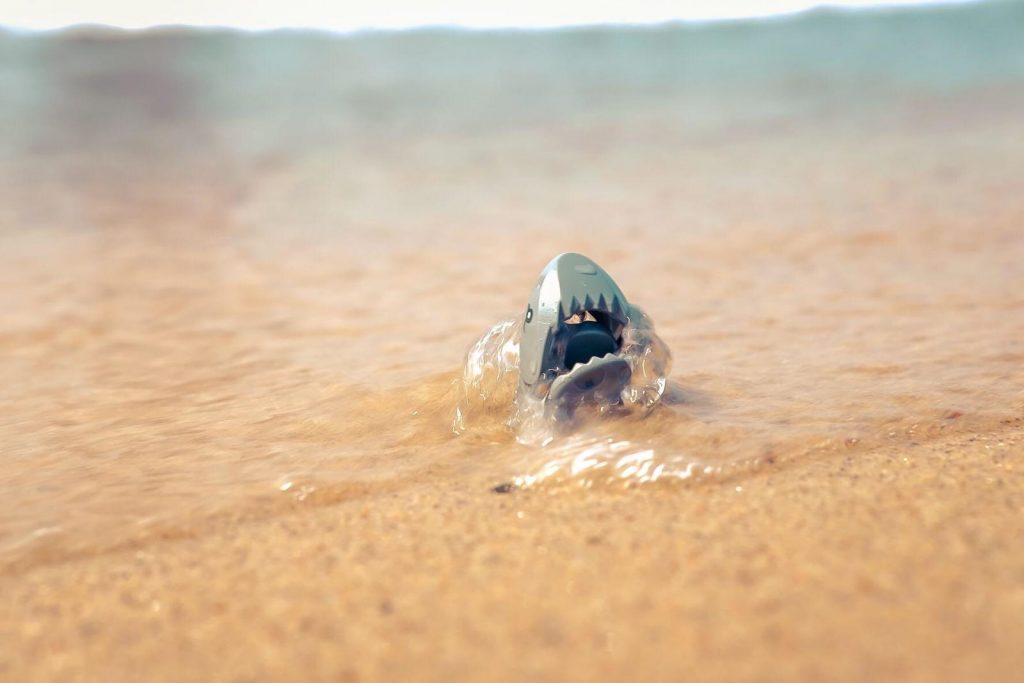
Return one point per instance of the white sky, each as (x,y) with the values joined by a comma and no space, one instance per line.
(346,15)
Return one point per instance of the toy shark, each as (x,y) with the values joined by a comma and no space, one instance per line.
(572,337)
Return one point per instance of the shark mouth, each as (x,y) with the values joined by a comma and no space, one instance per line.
(588,334)
(591,367)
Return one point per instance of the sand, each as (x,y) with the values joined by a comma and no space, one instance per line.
(238,275)
(899,566)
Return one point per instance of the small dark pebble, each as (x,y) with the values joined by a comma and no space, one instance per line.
(507,487)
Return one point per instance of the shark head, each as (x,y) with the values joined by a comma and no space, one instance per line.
(572,336)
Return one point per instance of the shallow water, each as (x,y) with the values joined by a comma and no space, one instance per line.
(239,274)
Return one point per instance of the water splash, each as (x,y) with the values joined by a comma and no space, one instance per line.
(596,445)
(489,377)
(587,461)
(489,382)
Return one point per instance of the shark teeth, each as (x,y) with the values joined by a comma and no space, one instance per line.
(603,376)
(595,360)
(611,305)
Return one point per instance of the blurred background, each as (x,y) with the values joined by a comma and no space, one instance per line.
(401,14)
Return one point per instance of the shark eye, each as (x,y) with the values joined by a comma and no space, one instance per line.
(529,313)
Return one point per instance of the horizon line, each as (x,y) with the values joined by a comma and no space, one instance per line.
(803,9)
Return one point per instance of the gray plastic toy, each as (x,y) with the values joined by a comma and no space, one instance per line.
(572,337)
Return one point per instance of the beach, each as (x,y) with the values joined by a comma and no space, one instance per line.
(239,274)
(897,565)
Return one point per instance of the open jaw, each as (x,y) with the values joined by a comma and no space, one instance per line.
(588,348)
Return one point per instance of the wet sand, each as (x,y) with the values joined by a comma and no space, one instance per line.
(239,274)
